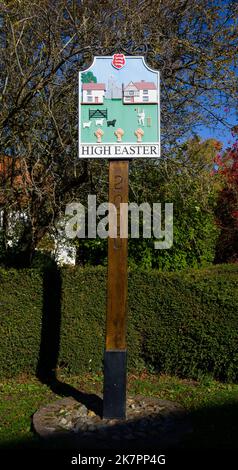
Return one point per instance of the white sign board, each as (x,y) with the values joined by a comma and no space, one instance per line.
(119,109)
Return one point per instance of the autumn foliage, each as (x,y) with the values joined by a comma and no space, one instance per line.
(227,205)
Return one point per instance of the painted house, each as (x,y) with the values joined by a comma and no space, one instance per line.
(140,92)
(93,93)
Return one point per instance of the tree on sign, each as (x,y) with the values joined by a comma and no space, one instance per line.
(88,77)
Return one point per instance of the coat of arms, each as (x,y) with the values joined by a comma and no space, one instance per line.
(118,61)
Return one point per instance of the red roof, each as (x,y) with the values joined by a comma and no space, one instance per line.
(145,85)
(142,85)
(94,86)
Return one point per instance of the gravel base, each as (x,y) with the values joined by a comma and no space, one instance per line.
(151,423)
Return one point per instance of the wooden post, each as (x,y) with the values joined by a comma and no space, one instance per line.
(114,398)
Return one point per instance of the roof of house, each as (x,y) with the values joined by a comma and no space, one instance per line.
(94,86)
(143,85)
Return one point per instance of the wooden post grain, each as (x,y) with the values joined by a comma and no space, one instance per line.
(117,262)
(115,354)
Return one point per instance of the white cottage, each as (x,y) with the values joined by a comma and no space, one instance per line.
(93,93)
(140,92)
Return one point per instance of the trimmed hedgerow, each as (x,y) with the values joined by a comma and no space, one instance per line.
(21,306)
(182,323)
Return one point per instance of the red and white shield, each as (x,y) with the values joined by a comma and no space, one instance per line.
(118,61)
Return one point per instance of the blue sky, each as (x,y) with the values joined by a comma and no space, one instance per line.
(220,131)
(134,70)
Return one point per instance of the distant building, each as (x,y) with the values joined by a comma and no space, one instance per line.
(140,92)
(113,90)
(93,93)
(14,175)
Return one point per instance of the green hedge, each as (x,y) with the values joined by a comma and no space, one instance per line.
(21,304)
(182,323)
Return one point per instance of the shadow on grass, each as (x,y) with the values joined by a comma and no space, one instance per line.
(50,343)
(214,427)
(211,428)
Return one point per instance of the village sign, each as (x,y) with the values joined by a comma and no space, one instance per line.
(119,119)
(119,112)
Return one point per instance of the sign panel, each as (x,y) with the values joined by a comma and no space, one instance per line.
(119,109)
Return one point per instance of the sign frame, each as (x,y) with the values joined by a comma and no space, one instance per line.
(115,150)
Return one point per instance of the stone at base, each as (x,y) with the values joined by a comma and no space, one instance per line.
(151,423)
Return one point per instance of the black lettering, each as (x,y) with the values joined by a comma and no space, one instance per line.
(85,150)
(107,150)
(98,150)
(153,150)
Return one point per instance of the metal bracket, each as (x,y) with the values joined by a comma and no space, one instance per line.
(114,395)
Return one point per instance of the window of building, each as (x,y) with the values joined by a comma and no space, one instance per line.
(145,98)
(89,92)
(145,92)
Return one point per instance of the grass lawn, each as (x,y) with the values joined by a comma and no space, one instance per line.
(213,406)
(126,118)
